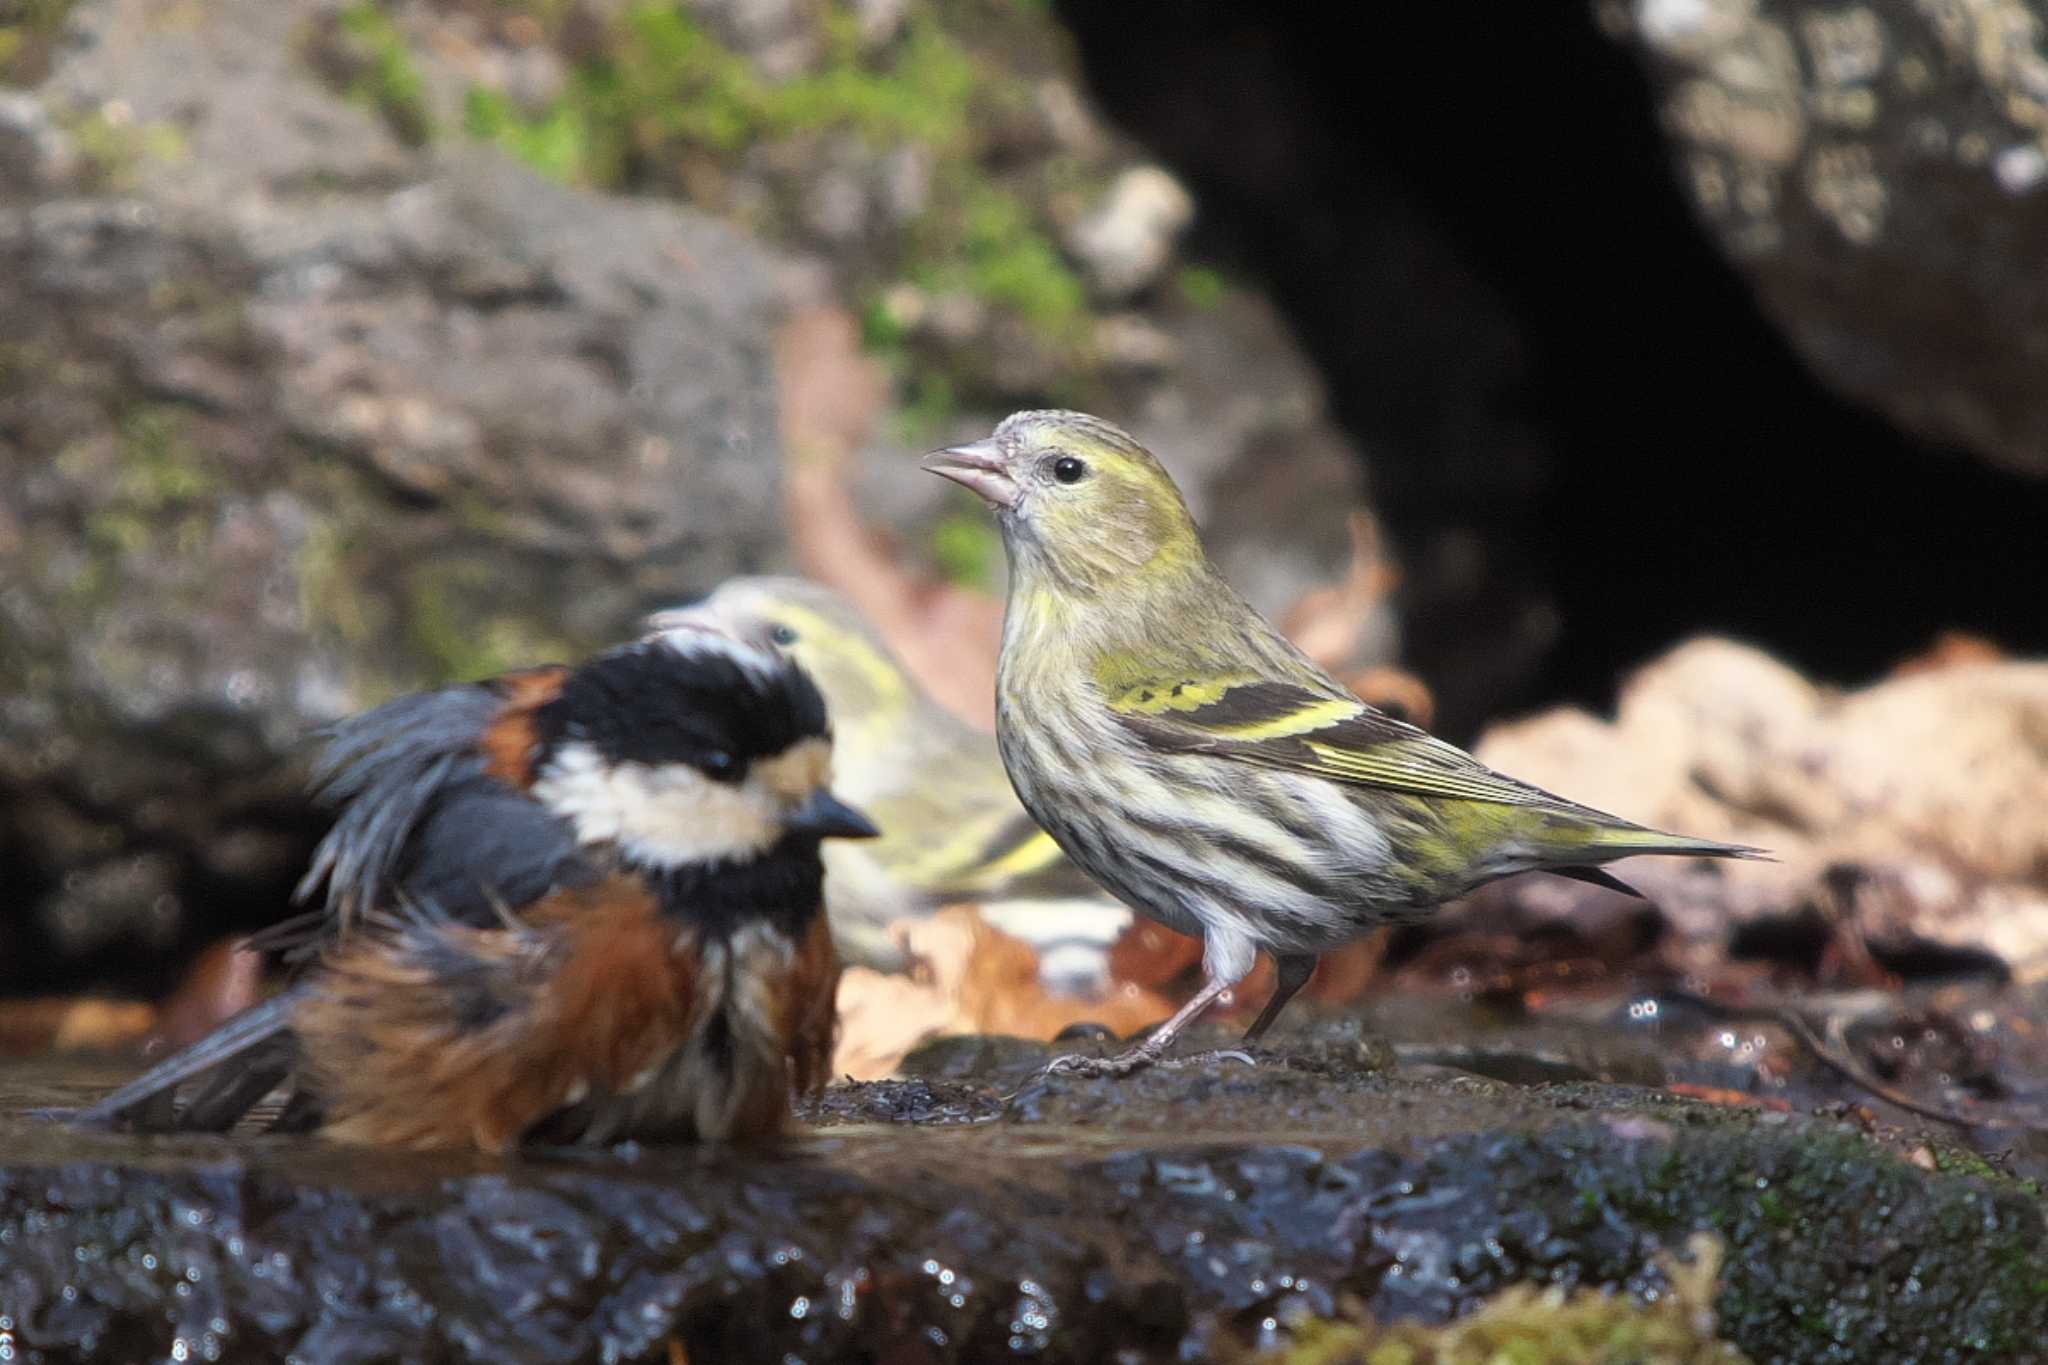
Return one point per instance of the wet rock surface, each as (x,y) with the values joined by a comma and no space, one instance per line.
(972,1212)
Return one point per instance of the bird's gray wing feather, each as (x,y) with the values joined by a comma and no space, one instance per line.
(423,822)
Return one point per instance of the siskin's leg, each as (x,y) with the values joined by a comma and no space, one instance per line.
(1290,974)
(1153,1048)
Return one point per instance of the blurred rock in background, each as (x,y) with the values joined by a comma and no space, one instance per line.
(1879,172)
(1594,427)
(348,348)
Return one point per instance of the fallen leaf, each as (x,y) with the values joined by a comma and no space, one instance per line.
(973,979)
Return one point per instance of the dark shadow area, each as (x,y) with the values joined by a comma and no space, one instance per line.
(1585,438)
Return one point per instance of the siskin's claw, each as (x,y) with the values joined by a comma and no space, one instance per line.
(1222,1054)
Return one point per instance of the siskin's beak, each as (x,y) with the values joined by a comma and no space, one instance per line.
(825,816)
(979,467)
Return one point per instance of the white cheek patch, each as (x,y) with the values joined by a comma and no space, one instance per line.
(792,775)
(663,815)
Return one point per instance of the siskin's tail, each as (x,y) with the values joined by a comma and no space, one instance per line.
(1626,841)
(1604,843)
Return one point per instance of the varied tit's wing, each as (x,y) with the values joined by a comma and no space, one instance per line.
(434,809)
(1284,725)
(434,813)
(241,1061)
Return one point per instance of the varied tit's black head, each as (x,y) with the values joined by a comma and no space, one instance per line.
(690,748)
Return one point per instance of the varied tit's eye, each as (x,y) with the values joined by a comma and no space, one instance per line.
(1067,469)
(720,765)
(783,635)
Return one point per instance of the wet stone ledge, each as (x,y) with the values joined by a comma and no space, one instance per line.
(1207,1212)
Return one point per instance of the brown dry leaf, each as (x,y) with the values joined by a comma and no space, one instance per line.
(831,396)
(1395,691)
(1950,649)
(1328,622)
(72,1023)
(222,981)
(1350,972)
(976,980)
(1153,955)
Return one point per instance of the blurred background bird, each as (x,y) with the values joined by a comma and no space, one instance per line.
(1203,768)
(560,905)
(951,826)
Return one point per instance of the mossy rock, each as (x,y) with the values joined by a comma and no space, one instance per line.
(975,1213)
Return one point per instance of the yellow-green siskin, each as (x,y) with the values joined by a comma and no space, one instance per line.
(951,827)
(1201,767)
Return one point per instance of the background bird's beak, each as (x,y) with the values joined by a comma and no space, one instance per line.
(980,467)
(827,817)
(681,618)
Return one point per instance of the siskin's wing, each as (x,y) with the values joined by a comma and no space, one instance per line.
(1285,725)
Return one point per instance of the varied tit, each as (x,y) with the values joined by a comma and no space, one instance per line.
(563,905)
(952,829)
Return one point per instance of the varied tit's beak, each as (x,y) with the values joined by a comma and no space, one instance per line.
(825,816)
(980,467)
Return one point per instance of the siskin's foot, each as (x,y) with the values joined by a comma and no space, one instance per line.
(1137,1059)
(1123,1064)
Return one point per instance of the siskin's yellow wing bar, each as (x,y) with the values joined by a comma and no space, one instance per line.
(1283,725)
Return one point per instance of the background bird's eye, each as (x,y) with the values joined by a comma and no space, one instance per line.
(1067,469)
(783,635)
(719,764)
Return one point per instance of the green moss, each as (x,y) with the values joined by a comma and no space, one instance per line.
(664,88)
(160,464)
(1001,255)
(1523,1325)
(386,77)
(966,547)
(454,623)
(1201,286)
(28,32)
(328,599)
(665,94)
(931,406)
(22,363)
(114,150)
(560,144)
(882,332)
(154,494)
(1963,1161)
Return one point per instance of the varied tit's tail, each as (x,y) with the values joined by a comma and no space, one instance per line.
(236,1065)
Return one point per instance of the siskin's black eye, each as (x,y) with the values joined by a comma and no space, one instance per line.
(783,635)
(1067,469)
(721,765)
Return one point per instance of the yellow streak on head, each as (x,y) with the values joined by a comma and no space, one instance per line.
(1123,520)
(853,671)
